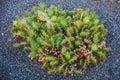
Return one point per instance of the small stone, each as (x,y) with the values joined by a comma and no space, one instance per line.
(119,42)
(2,34)
(119,1)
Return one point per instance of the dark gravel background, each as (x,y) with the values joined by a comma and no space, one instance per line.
(14,63)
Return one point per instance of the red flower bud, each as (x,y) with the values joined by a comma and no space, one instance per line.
(18,36)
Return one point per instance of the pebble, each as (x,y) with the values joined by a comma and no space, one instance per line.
(118,1)
(2,34)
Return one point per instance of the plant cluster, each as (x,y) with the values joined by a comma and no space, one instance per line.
(64,41)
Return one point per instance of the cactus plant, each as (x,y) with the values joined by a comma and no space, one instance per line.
(61,40)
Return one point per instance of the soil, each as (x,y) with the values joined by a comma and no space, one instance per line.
(14,63)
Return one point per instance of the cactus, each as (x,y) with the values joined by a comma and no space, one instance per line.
(61,40)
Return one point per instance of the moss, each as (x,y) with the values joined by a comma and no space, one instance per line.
(61,40)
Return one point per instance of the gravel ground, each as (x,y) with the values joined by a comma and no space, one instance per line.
(14,63)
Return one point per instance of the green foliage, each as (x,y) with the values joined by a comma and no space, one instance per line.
(58,37)
(86,20)
(35,26)
(42,6)
(34,46)
(17,45)
(95,38)
(77,43)
(63,24)
(69,13)
(34,9)
(32,55)
(60,8)
(101,55)
(67,55)
(84,34)
(73,59)
(28,14)
(54,18)
(94,47)
(61,40)
(63,50)
(93,59)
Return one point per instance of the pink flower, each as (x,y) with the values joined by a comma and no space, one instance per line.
(50,51)
(85,54)
(82,51)
(55,53)
(75,65)
(74,51)
(81,56)
(99,46)
(84,46)
(85,51)
(58,51)
(104,44)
